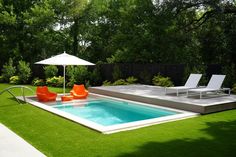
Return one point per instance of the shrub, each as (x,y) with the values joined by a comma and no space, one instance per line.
(55,81)
(50,71)
(70,84)
(15,80)
(162,81)
(145,77)
(230,72)
(120,82)
(234,88)
(87,84)
(70,76)
(95,77)
(78,74)
(1,79)
(81,74)
(24,71)
(116,74)
(38,82)
(106,83)
(131,80)
(8,70)
(200,69)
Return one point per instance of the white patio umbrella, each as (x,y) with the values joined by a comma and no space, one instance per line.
(64,59)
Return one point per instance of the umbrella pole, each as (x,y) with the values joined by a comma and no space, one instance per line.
(64,85)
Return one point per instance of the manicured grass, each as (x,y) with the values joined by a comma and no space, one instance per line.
(212,135)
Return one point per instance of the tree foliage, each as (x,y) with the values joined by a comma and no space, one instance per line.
(192,32)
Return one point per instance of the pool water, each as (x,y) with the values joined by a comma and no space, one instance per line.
(109,112)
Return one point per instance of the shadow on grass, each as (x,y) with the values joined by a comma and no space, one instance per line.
(14,103)
(221,143)
(17,102)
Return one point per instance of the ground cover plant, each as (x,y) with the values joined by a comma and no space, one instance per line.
(207,135)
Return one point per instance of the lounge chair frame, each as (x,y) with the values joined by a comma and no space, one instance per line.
(191,83)
(201,93)
(214,85)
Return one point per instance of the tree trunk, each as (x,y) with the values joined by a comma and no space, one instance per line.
(75,36)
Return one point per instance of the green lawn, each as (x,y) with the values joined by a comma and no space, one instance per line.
(212,135)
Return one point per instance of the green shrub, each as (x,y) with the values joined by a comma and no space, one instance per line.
(24,71)
(70,76)
(8,70)
(15,80)
(162,81)
(120,82)
(107,83)
(200,69)
(50,71)
(95,77)
(55,81)
(81,74)
(77,74)
(38,82)
(145,77)
(234,88)
(116,74)
(131,80)
(70,84)
(230,72)
(87,84)
(1,79)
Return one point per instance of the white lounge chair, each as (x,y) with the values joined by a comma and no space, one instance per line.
(192,82)
(214,85)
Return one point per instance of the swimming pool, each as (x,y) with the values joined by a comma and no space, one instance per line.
(109,115)
(109,112)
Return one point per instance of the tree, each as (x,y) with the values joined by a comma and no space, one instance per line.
(196,32)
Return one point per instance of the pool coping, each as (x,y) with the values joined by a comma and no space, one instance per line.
(118,127)
(156,96)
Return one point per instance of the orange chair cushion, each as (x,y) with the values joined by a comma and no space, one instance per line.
(79,92)
(43,94)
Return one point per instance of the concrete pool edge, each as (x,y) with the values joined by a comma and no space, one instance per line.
(160,99)
(114,128)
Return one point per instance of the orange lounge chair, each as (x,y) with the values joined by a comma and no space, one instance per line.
(79,92)
(43,94)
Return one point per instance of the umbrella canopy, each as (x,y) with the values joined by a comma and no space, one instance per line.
(64,59)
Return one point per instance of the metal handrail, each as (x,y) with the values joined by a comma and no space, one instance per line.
(18,86)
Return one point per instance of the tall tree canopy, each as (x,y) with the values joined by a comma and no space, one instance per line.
(148,31)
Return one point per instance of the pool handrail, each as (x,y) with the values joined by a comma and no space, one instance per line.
(17,86)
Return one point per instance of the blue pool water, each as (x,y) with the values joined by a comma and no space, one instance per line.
(108,112)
